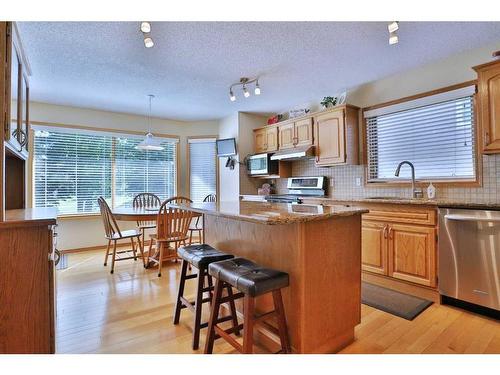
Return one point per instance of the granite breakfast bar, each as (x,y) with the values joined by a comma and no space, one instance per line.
(319,246)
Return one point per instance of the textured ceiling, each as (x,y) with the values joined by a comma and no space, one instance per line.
(104,65)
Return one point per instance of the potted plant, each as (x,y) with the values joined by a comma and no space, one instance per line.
(329,101)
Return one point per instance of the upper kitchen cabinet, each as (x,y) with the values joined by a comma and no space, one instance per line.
(295,134)
(336,136)
(17,133)
(488,105)
(265,139)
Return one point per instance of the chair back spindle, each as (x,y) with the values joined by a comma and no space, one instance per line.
(146,200)
(173,222)
(110,225)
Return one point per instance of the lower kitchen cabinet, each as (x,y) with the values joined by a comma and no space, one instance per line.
(27,279)
(397,248)
(412,254)
(374,247)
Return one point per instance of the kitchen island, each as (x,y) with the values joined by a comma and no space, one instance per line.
(319,246)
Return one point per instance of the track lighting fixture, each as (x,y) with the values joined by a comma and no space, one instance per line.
(244,82)
(393,36)
(146,29)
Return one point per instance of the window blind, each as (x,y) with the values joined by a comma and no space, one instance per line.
(139,171)
(72,168)
(71,171)
(202,168)
(437,138)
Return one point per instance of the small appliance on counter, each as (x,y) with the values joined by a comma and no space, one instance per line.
(300,187)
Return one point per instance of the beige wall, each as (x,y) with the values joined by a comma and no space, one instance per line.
(87,232)
(229,178)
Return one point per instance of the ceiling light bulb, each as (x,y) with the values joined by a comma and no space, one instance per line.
(145,27)
(231,96)
(393,38)
(148,42)
(257,89)
(393,26)
(246,93)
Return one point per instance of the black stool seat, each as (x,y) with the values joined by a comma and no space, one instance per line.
(248,277)
(202,255)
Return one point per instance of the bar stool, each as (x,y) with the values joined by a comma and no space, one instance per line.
(252,281)
(200,256)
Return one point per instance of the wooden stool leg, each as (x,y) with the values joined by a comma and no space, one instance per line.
(214,315)
(191,236)
(198,307)
(150,251)
(278,306)
(180,292)
(248,316)
(113,258)
(107,253)
(133,248)
(232,310)
(160,258)
(210,284)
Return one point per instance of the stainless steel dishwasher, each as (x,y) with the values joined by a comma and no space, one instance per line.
(469,255)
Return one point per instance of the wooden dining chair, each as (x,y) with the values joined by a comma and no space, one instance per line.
(147,201)
(113,234)
(197,226)
(172,225)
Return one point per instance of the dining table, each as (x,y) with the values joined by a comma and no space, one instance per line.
(124,213)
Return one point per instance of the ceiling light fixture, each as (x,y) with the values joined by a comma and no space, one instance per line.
(393,38)
(150,143)
(148,42)
(244,82)
(393,27)
(257,88)
(145,27)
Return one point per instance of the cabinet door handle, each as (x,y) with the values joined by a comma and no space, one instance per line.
(385,231)
(486,138)
(390,233)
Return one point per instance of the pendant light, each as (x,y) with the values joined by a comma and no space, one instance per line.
(150,142)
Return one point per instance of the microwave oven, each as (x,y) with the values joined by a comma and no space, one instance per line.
(261,165)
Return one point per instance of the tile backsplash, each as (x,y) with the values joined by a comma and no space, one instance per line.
(344,183)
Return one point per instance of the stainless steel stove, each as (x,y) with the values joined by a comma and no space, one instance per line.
(299,188)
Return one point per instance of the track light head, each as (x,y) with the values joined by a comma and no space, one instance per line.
(231,96)
(246,93)
(257,88)
(145,27)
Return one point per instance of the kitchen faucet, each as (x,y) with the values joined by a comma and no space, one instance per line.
(416,192)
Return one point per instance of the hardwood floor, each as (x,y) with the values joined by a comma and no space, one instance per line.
(131,312)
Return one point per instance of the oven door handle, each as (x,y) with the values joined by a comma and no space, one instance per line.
(472,218)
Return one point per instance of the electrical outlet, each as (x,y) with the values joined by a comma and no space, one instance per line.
(358,181)
(331,182)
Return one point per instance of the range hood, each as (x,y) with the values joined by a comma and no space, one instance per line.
(294,153)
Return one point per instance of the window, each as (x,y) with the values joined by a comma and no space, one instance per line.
(202,168)
(435,133)
(72,168)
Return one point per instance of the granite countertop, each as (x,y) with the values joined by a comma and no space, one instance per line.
(395,200)
(271,213)
(417,201)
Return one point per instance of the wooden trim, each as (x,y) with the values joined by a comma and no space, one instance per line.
(188,164)
(421,95)
(99,129)
(477,182)
(4,106)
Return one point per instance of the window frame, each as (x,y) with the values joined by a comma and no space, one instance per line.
(404,182)
(31,180)
(188,164)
